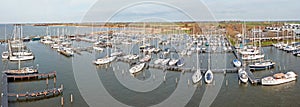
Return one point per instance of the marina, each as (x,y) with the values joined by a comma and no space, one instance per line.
(129,58)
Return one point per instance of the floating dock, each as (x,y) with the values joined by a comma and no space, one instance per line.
(32,76)
(28,96)
(252,78)
(37,95)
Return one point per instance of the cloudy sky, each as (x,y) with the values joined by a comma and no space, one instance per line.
(30,11)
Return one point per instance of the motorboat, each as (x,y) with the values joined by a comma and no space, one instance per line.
(137,68)
(66,51)
(279,78)
(237,63)
(243,76)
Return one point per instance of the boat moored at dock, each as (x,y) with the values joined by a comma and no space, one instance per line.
(279,78)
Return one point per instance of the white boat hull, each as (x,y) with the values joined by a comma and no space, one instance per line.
(21,58)
(105,60)
(209,77)
(197,76)
(137,68)
(243,76)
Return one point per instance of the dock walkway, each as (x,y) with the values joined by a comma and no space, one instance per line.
(32,76)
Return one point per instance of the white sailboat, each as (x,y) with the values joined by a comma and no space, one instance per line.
(137,68)
(208,76)
(197,76)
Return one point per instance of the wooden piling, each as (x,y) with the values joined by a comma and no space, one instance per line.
(62,101)
(71,98)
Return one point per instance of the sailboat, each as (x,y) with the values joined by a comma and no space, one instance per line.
(137,68)
(197,76)
(208,76)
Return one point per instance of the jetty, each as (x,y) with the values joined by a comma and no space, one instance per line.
(37,95)
(32,76)
(252,79)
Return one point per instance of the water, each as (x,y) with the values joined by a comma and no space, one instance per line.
(112,85)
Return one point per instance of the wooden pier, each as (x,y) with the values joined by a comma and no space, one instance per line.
(32,76)
(252,79)
(28,96)
(37,95)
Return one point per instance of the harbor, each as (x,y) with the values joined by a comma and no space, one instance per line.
(215,52)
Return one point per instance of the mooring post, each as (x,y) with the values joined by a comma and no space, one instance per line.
(62,101)
(71,98)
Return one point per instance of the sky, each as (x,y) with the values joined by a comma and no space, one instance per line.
(49,11)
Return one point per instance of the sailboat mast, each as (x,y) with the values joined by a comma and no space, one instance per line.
(5,35)
(19,61)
